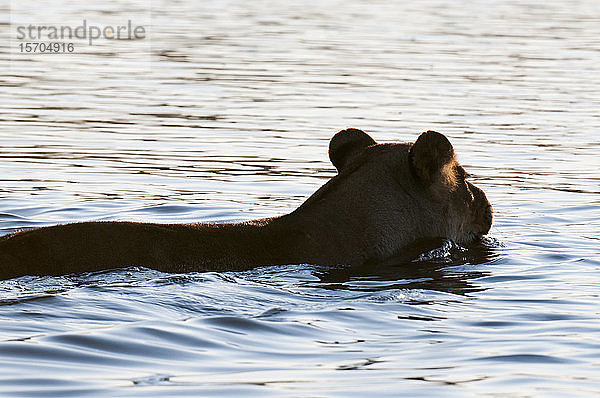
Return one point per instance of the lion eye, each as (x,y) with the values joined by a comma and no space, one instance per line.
(462,172)
(469,193)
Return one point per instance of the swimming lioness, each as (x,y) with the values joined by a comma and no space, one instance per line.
(385,197)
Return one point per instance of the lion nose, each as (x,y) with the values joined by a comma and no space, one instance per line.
(488,218)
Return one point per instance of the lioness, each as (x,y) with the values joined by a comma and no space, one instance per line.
(384,197)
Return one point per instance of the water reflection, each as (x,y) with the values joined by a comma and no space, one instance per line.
(419,267)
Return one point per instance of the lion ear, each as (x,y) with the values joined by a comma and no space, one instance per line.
(430,154)
(346,145)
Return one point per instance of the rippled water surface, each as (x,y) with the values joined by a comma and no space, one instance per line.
(224,112)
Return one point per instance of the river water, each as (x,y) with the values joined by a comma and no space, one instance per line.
(223,112)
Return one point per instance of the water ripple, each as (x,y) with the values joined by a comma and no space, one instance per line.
(224,114)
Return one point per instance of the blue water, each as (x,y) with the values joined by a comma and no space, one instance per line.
(223,113)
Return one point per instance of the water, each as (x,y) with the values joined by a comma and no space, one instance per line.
(223,113)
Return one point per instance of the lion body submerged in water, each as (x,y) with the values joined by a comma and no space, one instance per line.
(385,197)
